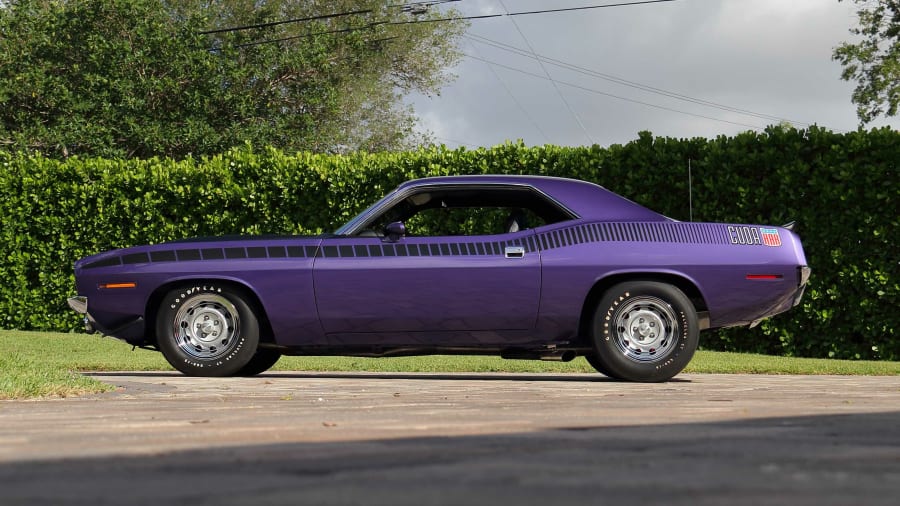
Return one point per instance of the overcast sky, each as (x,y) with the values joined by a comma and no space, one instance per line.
(771,57)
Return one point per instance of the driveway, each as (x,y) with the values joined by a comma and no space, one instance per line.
(417,439)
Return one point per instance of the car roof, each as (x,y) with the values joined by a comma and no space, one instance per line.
(587,200)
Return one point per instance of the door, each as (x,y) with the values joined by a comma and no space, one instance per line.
(456,284)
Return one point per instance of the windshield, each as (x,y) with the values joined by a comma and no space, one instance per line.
(362,216)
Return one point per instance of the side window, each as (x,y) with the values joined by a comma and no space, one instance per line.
(455,211)
(443,221)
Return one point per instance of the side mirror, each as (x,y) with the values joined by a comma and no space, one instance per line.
(394,231)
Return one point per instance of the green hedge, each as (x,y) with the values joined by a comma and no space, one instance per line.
(841,188)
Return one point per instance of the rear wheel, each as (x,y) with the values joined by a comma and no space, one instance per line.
(596,364)
(207,330)
(644,331)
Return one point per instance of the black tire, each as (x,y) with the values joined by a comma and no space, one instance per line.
(262,361)
(644,331)
(206,330)
(596,364)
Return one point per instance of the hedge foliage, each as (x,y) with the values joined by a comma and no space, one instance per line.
(842,190)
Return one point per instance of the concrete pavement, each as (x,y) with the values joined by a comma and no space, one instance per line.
(358,438)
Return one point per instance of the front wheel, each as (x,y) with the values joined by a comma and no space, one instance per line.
(644,331)
(261,362)
(207,330)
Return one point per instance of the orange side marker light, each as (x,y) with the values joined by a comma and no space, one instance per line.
(111,286)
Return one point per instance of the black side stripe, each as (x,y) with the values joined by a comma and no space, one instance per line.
(685,233)
(662,232)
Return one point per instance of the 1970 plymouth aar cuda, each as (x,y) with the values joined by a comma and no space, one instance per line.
(520,266)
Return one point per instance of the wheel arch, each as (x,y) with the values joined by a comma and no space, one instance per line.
(153,303)
(683,283)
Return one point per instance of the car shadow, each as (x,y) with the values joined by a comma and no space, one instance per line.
(487,376)
(802,460)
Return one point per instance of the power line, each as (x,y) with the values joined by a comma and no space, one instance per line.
(611,95)
(514,99)
(432,20)
(419,7)
(286,21)
(542,11)
(541,59)
(587,7)
(547,73)
(407,7)
(626,82)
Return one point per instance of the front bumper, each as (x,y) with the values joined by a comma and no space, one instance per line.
(129,328)
(79,303)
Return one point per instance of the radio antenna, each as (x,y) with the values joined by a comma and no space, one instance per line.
(690,192)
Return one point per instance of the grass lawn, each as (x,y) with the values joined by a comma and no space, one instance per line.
(39,364)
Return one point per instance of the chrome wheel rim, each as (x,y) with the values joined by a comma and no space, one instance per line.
(206,326)
(645,329)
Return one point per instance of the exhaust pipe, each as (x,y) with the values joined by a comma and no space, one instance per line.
(551,354)
(559,355)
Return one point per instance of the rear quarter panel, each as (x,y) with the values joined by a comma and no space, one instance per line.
(575,257)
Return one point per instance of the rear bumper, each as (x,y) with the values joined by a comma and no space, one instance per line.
(791,300)
(804,272)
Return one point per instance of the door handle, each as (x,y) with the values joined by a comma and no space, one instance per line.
(514,252)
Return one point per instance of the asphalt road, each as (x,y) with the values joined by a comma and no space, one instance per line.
(419,439)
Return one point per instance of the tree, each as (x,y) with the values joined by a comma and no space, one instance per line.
(143,78)
(874,62)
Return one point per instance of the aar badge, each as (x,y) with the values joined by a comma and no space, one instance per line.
(770,236)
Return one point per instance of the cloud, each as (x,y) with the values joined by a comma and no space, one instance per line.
(768,56)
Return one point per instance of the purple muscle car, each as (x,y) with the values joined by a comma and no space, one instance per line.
(521,266)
